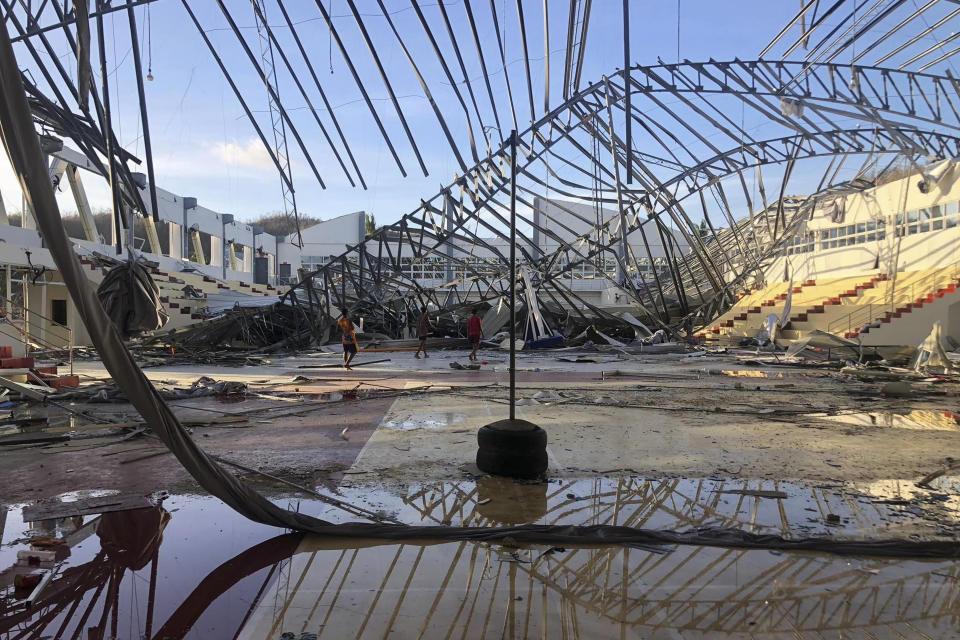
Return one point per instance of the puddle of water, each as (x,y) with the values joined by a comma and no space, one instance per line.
(105,576)
(922,419)
(746,373)
(424,421)
(192,568)
(864,510)
(470,590)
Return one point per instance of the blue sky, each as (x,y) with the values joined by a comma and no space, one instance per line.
(205,147)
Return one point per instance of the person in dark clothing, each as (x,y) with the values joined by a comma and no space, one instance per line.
(474,333)
(424,328)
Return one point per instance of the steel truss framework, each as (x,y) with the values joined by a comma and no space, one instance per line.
(663,153)
(910,116)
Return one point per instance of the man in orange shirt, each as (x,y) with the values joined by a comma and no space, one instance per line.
(349,339)
(474,332)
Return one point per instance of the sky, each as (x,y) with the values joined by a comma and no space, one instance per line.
(205,147)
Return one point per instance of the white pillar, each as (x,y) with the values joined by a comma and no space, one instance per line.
(83,205)
(234,262)
(152,236)
(175,240)
(216,251)
(113,235)
(197,246)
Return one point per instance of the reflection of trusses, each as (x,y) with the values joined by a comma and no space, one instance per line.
(584,593)
(577,152)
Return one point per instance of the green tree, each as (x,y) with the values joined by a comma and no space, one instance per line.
(282,224)
(371,224)
(704,230)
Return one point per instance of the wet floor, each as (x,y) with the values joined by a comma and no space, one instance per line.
(191,568)
(923,419)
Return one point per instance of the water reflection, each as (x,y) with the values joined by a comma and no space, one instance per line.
(468,590)
(863,509)
(190,568)
(924,419)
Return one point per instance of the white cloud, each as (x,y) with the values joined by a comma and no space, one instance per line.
(244,154)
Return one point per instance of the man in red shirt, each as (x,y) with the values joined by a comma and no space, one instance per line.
(474,332)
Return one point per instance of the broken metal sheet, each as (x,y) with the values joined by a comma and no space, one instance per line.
(52,510)
(817,339)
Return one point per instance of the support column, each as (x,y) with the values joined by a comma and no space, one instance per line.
(27,221)
(83,205)
(175,240)
(247,259)
(234,262)
(3,212)
(216,251)
(152,236)
(197,246)
(118,238)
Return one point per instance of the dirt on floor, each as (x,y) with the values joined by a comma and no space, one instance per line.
(403,419)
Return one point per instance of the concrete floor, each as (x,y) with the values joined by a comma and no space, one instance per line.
(661,416)
(659,442)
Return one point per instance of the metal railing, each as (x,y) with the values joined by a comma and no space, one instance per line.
(871,312)
(41,336)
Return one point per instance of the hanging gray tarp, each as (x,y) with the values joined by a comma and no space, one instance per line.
(132,300)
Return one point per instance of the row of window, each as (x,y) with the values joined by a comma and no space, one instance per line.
(935,218)
(435,267)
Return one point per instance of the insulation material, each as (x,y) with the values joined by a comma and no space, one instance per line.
(930,352)
(835,210)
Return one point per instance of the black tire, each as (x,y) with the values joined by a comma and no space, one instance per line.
(513,453)
(503,435)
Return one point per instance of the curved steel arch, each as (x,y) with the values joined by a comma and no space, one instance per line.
(371,274)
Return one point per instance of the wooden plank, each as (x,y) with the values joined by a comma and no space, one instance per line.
(50,510)
(38,437)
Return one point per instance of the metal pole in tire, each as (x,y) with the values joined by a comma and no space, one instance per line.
(513,448)
(513,274)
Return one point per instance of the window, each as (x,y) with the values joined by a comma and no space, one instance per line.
(58,311)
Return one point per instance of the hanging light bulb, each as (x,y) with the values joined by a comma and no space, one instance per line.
(149,75)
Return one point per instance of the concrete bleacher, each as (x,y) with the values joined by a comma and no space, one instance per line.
(851,307)
(183,308)
(749,313)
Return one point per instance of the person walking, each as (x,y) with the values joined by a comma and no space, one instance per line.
(474,332)
(424,328)
(349,339)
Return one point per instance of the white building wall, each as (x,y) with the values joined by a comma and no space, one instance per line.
(891,228)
